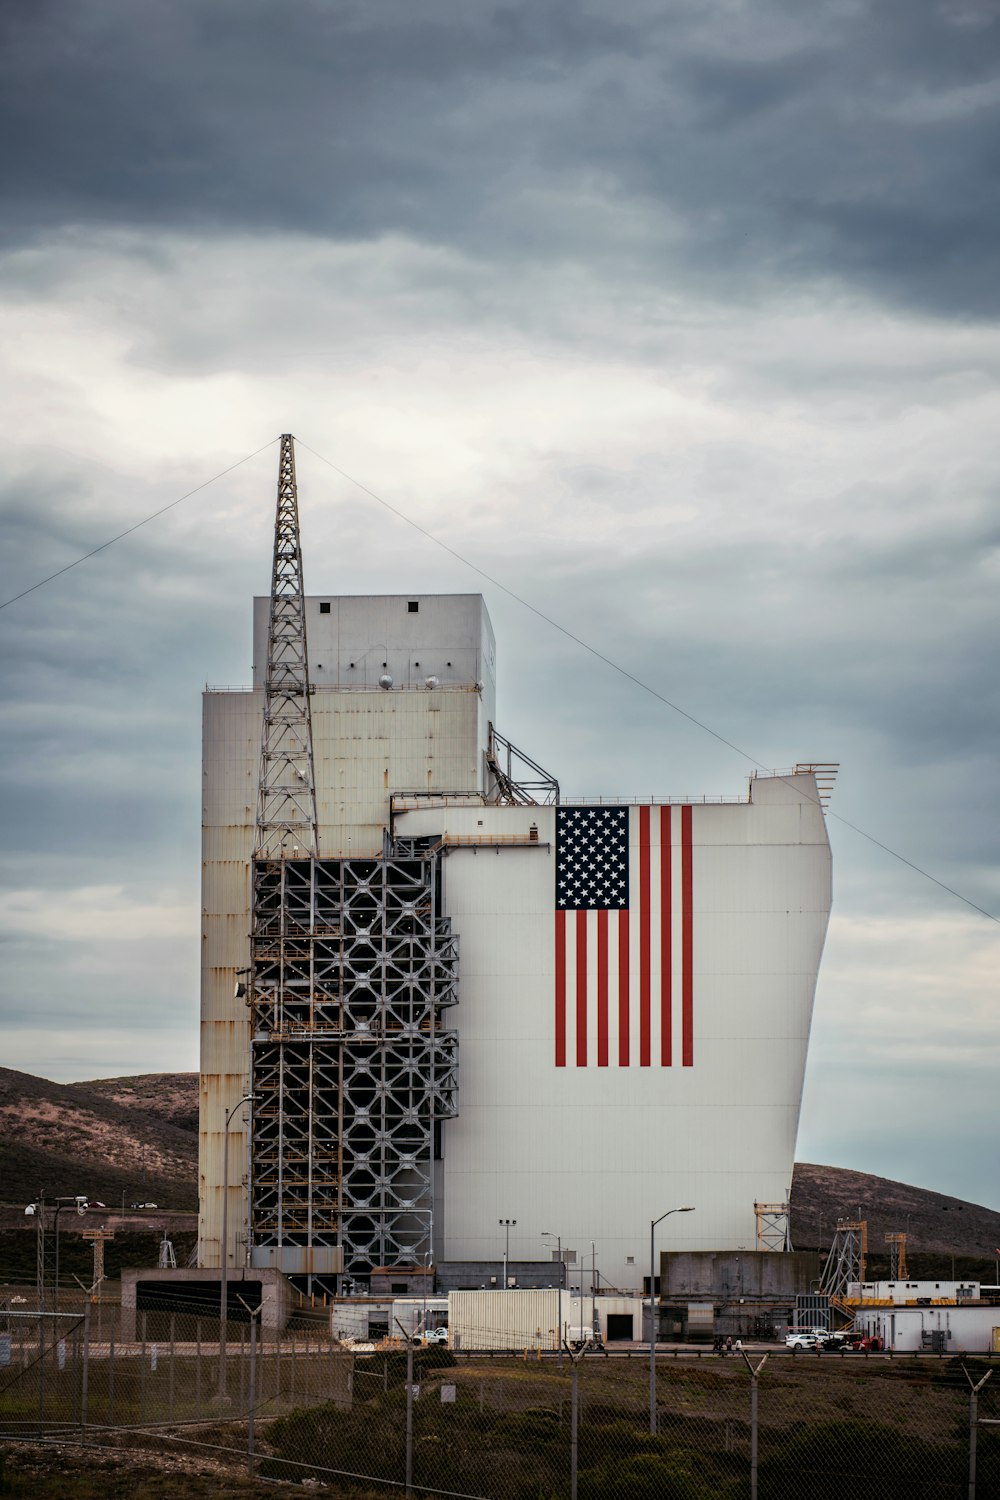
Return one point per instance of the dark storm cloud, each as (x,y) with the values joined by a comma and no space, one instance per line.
(757,144)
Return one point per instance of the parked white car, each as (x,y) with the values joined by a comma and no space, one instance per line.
(435,1336)
(805,1340)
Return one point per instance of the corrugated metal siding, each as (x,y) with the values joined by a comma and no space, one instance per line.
(505,1320)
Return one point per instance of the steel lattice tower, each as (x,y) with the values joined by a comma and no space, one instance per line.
(286,802)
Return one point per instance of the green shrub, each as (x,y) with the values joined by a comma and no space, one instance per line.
(831,1459)
(642,1476)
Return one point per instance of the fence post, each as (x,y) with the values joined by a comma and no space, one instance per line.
(252,1398)
(974,1426)
(85,1374)
(111,1380)
(142,1372)
(41,1370)
(170,1380)
(409,1416)
(574,1425)
(754,1373)
(197,1367)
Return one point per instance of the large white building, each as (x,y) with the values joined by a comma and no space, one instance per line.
(609,1004)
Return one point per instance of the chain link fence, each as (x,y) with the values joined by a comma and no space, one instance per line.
(501,1427)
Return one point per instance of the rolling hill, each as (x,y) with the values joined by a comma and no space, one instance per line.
(138,1136)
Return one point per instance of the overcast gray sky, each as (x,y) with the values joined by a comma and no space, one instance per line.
(678,318)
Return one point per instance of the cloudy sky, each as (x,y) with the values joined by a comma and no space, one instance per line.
(679,317)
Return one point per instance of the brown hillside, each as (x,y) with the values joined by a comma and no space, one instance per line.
(119,1134)
(172,1097)
(934,1223)
(68,1139)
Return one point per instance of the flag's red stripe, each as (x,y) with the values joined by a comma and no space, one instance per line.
(623,989)
(560,989)
(602,989)
(644,940)
(666,955)
(687,936)
(581,989)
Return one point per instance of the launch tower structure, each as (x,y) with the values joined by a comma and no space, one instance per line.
(637,975)
(352,965)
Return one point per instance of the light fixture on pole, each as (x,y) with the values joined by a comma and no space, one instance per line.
(224,1245)
(593,1288)
(548,1235)
(506,1224)
(687,1209)
(79,1202)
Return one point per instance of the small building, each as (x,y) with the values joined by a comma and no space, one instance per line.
(538,1319)
(934,1328)
(508,1319)
(155,1300)
(751,1293)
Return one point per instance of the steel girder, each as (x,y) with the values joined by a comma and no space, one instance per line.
(353,964)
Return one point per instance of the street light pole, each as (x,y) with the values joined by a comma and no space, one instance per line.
(548,1235)
(687,1209)
(593,1287)
(506,1225)
(224,1245)
(81,1207)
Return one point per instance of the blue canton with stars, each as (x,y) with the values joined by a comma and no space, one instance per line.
(592,858)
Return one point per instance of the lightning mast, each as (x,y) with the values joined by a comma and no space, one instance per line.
(286,801)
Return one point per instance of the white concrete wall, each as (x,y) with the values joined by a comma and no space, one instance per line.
(595,1153)
(359,638)
(365,744)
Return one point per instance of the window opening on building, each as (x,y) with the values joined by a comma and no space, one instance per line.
(324,609)
(413,606)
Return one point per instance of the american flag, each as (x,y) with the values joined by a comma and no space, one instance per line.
(624,988)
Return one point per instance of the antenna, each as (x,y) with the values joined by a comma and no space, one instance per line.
(286,801)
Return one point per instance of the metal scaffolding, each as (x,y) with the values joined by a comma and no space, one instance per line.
(353,1068)
(517,779)
(774,1226)
(897,1256)
(845,1263)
